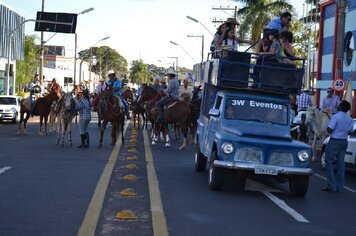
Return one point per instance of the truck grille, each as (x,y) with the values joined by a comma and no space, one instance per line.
(281,159)
(249,154)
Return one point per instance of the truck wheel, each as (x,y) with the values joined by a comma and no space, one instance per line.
(216,175)
(200,160)
(322,159)
(298,185)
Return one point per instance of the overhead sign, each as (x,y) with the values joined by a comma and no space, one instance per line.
(339,84)
(58,19)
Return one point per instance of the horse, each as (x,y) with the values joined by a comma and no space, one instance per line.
(137,111)
(178,112)
(53,118)
(318,121)
(42,109)
(66,112)
(109,110)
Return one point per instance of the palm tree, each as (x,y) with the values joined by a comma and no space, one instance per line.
(256,14)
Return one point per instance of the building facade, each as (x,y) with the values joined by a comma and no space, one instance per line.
(12,38)
(327,48)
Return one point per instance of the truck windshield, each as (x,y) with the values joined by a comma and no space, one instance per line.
(256,110)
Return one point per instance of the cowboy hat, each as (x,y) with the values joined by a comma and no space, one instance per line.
(171,72)
(231,20)
(111,72)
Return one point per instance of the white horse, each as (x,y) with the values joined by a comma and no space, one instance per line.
(318,121)
(66,113)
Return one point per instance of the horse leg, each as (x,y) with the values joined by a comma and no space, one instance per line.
(25,123)
(314,147)
(45,124)
(113,133)
(70,133)
(165,133)
(102,129)
(185,132)
(122,131)
(21,120)
(59,131)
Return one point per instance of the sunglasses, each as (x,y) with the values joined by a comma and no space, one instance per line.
(289,19)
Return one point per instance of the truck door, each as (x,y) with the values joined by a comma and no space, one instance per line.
(213,127)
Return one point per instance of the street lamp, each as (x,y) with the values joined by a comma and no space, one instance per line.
(167,63)
(176,62)
(176,44)
(76,46)
(196,21)
(11,34)
(202,52)
(90,56)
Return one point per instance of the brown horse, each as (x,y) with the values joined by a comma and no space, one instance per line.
(178,112)
(42,109)
(110,111)
(128,95)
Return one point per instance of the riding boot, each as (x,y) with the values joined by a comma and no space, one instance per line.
(87,140)
(82,138)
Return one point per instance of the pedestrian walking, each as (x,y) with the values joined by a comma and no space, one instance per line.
(339,127)
(83,106)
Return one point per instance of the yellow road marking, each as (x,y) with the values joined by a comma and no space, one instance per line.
(96,203)
(158,217)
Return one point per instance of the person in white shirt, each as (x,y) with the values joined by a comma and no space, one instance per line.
(185,92)
(101,86)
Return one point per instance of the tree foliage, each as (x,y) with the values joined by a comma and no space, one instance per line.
(104,58)
(139,72)
(27,67)
(256,14)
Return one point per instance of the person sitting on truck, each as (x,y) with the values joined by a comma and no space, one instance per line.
(216,43)
(264,43)
(282,23)
(276,48)
(286,39)
(172,92)
(229,40)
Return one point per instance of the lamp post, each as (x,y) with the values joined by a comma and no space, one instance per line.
(167,63)
(202,52)
(76,46)
(91,53)
(176,62)
(11,34)
(196,21)
(176,44)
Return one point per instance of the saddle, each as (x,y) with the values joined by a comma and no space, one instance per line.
(171,104)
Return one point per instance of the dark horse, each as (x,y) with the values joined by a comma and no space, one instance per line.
(178,112)
(109,110)
(42,109)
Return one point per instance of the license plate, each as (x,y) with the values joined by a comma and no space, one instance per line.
(265,171)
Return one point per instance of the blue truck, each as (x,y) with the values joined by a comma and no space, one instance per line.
(245,121)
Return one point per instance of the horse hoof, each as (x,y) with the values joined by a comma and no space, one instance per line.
(167,145)
(153,143)
(182,148)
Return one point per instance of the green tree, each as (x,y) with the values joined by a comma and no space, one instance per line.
(104,58)
(26,67)
(139,72)
(256,14)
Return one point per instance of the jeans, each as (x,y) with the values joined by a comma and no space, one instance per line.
(336,148)
(160,104)
(83,126)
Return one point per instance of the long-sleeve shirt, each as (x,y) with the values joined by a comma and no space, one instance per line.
(83,106)
(173,88)
(303,101)
(100,88)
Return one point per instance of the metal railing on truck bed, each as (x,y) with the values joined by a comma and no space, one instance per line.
(230,69)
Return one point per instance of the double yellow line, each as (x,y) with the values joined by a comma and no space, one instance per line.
(91,218)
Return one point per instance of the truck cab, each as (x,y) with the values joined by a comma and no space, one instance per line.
(245,122)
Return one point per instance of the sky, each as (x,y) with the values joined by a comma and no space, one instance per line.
(138,29)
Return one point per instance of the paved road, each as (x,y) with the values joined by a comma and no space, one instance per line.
(48,190)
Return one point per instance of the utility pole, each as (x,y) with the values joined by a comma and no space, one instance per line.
(42,50)
(341,6)
(224,9)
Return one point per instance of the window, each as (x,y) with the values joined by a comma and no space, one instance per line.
(349,47)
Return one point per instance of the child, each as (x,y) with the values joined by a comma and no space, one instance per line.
(230,40)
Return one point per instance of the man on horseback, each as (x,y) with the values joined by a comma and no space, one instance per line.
(34,88)
(116,85)
(172,92)
(54,86)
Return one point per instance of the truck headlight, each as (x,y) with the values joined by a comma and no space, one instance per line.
(303,155)
(228,148)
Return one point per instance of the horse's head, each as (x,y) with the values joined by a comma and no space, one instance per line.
(147,94)
(68,102)
(310,115)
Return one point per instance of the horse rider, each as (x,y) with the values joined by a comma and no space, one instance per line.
(156,85)
(54,86)
(116,85)
(186,93)
(101,86)
(172,92)
(331,102)
(304,100)
(34,88)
